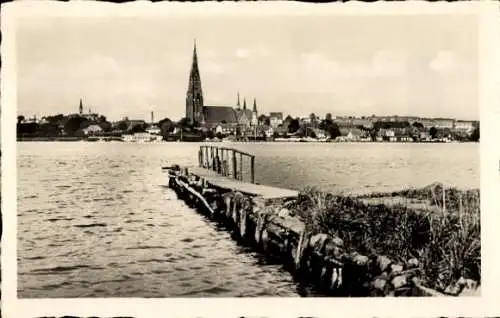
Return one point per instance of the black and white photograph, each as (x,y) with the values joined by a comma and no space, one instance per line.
(245,154)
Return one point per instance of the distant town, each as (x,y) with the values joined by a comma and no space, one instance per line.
(240,123)
(267,127)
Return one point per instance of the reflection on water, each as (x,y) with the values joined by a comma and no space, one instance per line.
(96,219)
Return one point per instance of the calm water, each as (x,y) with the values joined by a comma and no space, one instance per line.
(96,219)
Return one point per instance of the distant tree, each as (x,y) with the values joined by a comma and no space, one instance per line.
(102,119)
(208,134)
(106,126)
(379,125)
(122,125)
(20,119)
(288,119)
(330,127)
(27,129)
(74,124)
(312,117)
(328,117)
(184,123)
(167,127)
(433,132)
(294,126)
(334,131)
(264,120)
(166,119)
(79,133)
(47,130)
(475,134)
(56,120)
(276,134)
(418,125)
(139,128)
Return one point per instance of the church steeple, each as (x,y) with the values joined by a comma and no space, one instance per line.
(195,56)
(80,108)
(194,96)
(254,106)
(238,101)
(244,104)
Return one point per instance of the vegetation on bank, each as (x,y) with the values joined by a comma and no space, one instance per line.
(73,125)
(446,243)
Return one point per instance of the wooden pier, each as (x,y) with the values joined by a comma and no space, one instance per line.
(227,161)
(224,168)
(263,217)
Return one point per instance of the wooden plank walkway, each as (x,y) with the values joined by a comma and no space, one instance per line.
(267,192)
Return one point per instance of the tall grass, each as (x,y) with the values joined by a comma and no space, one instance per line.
(447,243)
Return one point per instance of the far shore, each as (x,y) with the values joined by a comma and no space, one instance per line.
(118,139)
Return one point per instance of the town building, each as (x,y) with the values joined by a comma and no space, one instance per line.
(426,122)
(135,122)
(216,117)
(154,130)
(444,123)
(464,125)
(275,119)
(92,130)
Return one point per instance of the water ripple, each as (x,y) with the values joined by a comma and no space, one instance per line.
(97,219)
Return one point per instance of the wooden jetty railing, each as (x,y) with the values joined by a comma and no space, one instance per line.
(226,161)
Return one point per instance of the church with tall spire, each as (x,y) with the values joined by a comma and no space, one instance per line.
(194,96)
(210,117)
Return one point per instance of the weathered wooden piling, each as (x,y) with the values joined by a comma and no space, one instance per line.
(266,224)
(259,216)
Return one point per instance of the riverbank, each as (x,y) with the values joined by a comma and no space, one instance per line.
(354,246)
(67,139)
(107,139)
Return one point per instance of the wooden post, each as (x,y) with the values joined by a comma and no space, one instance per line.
(234,164)
(252,167)
(241,166)
(202,157)
(199,157)
(217,159)
(223,169)
(210,155)
(213,158)
(226,165)
(206,157)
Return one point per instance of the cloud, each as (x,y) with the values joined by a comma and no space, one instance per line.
(242,53)
(444,62)
(389,63)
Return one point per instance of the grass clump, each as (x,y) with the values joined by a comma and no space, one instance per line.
(446,243)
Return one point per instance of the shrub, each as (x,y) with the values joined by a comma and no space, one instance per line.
(447,244)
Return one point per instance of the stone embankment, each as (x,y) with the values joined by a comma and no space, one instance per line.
(270,226)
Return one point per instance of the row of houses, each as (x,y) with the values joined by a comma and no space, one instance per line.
(439,123)
(276,119)
(404,135)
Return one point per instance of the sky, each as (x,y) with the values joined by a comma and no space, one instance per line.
(344,65)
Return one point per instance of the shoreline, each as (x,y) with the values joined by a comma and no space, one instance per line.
(353,246)
(117,139)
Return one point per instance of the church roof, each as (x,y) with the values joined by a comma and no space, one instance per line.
(241,112)
(217,114)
